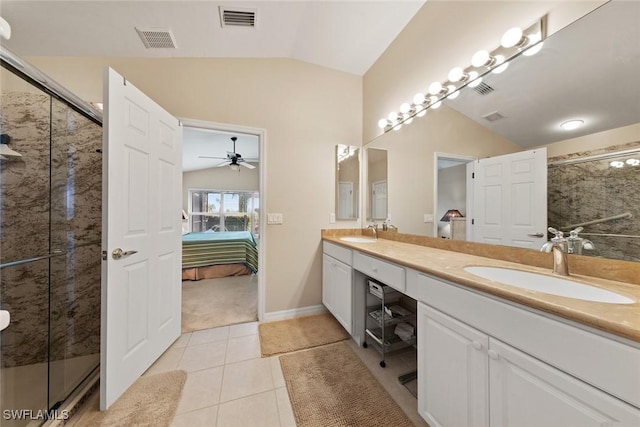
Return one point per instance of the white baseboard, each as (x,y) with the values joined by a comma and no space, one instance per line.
(294,312)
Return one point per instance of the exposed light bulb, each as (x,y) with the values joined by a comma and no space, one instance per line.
(500,68)
(435,88)
(408,120)
(513,37)
(535,43)
(393,116)
(405,108)
(572,124)
(418,98)
(422,112)
(397,127)
(481,58)
(476,82)
(434,102)
(633,162)
(456,74)
(453,92)
(382,123)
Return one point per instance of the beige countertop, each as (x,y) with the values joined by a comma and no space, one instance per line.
(619,319)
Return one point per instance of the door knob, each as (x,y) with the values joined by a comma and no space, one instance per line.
(477,345)
(493,354)
(119,253)
(535,235)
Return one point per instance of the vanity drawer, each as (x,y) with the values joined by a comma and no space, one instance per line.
(338,252)
(385,272)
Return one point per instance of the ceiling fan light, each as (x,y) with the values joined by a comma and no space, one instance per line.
(572,124)
(234,167)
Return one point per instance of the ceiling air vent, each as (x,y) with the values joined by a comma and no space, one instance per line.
(156,38)
(492,117)
(237,17)
(483,89)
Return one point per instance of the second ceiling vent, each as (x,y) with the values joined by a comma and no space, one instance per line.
(237,17)
(156,38)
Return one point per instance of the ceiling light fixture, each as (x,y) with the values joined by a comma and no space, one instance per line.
(514,42)
(572,124)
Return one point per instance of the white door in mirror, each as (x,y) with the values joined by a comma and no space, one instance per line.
(5,318)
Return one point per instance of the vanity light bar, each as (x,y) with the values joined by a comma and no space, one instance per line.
(513,43)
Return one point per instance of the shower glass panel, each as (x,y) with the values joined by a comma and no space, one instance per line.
(50,227)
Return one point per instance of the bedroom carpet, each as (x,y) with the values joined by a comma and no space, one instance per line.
(299,333)
(330,386)
(151,401)
(211,303)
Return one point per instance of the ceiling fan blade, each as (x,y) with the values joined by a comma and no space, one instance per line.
(225,163)
(250,160)
(246,165)
(211,157)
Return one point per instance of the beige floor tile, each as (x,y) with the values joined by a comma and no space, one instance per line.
(276,372)
(182,341)
(201,418)
(169,361)
(201,390)
(204,356)
(246,378)
(209,335)
(243,329)
(260,410)
(287,419)
(243,348)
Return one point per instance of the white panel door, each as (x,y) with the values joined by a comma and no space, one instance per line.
(528,393)
(379,197)
(342,283)
(141,284)
(510,199)
(453,389)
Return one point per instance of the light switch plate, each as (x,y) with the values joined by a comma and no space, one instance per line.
(428,217)
(274,218)
(332,218)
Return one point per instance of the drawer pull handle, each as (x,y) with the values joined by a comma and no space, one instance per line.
(493,354)
(477,345)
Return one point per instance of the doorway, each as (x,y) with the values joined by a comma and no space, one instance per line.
(223,246)
(452,192)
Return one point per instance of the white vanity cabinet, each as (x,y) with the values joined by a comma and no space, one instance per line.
(337,283)
(469,377)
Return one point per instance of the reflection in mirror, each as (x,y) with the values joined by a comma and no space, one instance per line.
(377,184)
(594,194)
(347,182)
(523,108)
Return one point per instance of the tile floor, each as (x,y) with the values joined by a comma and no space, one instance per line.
(229,384)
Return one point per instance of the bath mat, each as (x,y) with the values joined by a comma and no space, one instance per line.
(330,386)
(299,333)
(151,401)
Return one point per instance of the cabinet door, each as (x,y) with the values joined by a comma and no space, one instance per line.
(452,371)
(327,282)
(337,290)
(527,392)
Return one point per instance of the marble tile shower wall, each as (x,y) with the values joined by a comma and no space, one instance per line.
(50,200)
(586,191)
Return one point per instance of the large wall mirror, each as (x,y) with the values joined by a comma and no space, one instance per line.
(347,182)
(586,71)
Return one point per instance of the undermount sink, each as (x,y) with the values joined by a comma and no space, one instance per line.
(356,239)
(548,284)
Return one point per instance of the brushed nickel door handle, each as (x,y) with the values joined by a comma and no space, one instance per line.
(119,253)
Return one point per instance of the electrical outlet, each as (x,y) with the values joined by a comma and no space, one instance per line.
(428,217)
(332,218)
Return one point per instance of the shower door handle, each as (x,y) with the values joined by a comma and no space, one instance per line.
(119,253)
(5,319)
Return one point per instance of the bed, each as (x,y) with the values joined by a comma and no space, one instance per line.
(210,255)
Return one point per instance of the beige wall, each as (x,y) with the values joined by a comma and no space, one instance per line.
(620,136)
(219,179)
(305,109)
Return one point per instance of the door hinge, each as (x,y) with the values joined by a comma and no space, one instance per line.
(473,221)
(473,175)
(104,255)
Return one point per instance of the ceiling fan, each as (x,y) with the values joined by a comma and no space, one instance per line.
(233,160)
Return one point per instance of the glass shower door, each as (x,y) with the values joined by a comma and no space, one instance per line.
(24,251)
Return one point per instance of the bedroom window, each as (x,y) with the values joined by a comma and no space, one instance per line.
(214,210)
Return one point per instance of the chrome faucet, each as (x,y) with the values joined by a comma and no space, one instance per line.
(374,228)
(558,246)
